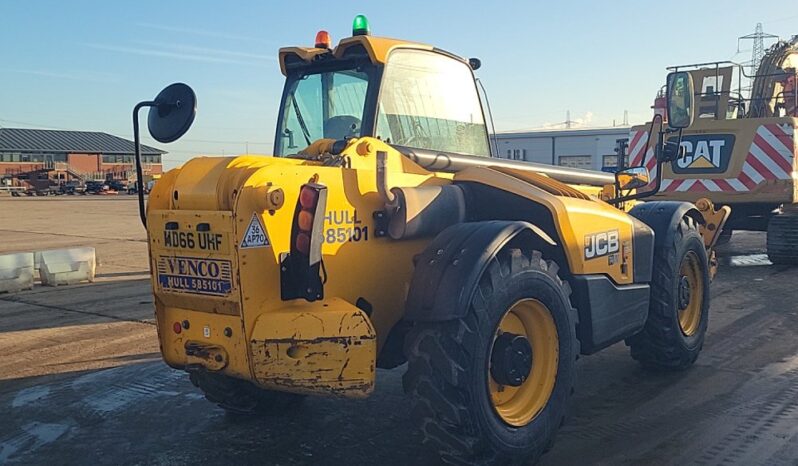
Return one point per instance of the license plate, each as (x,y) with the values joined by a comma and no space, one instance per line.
(196,241)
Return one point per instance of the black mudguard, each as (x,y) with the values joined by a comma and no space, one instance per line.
(664,216)
(450,267)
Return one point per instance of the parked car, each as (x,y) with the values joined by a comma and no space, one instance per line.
(117,185)
(70,188)
(94,187)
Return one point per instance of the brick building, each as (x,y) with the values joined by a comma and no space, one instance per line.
(38,157)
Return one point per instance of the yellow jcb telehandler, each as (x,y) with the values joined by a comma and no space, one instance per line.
(382,233)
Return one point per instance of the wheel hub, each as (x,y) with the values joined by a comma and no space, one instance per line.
(684,293)
(511,359)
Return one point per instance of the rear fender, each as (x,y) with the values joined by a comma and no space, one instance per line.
(449,269)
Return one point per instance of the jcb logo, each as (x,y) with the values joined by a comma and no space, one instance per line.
(705,153)
(601,244)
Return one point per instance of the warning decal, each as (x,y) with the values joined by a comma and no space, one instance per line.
(255,236)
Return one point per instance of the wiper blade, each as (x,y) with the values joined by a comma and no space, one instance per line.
(301,120)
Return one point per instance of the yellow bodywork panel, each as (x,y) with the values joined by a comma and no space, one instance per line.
(578,221)
(229,195)
(209,274)
(321,347)
(349,234)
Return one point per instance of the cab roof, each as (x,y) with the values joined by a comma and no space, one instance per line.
(377,49)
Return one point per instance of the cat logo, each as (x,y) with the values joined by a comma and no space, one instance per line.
(601,244)
(706,153)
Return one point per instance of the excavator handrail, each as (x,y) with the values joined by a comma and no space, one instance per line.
(697,65)
(736,96)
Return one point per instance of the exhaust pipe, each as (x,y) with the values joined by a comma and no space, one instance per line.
(415,212)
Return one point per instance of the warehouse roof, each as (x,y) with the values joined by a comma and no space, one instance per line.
(84,142)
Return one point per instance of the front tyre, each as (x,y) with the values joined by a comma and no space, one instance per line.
(678,313)
(493,386)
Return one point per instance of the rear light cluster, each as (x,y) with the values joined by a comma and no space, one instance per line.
(301,267)
(308,201)
(307,233)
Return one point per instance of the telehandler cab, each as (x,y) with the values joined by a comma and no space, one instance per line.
(381,232)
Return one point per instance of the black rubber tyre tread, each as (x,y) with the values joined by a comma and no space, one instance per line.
(241,397)
(440,354)
(782,239)
(661,344)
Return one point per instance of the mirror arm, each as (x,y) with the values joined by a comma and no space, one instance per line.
(657,157)
(137,150)
(658,150)
(631,197)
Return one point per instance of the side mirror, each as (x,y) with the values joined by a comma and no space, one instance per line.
(173,113)
(632,178)
(680,94)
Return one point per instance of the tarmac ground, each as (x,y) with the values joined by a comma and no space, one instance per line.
(82,381)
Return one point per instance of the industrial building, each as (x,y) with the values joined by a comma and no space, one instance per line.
(37,158)
(590,149)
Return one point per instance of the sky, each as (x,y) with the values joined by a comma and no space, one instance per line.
(83,65)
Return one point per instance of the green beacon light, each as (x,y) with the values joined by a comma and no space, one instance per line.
(360,26)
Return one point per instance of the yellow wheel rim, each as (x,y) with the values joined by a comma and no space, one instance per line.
(690,294)
(519,405)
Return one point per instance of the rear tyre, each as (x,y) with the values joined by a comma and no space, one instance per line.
(678,314)
(782,239)
(241,397)
(493,387)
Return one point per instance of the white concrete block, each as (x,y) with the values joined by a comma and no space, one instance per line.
(67,266)
(16,272)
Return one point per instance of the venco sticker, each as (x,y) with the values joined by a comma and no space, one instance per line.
(211,277)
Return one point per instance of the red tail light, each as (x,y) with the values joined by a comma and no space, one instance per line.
(308,197)
(305,220)
(303,243)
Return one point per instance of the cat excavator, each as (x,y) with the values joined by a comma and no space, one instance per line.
(740,151)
